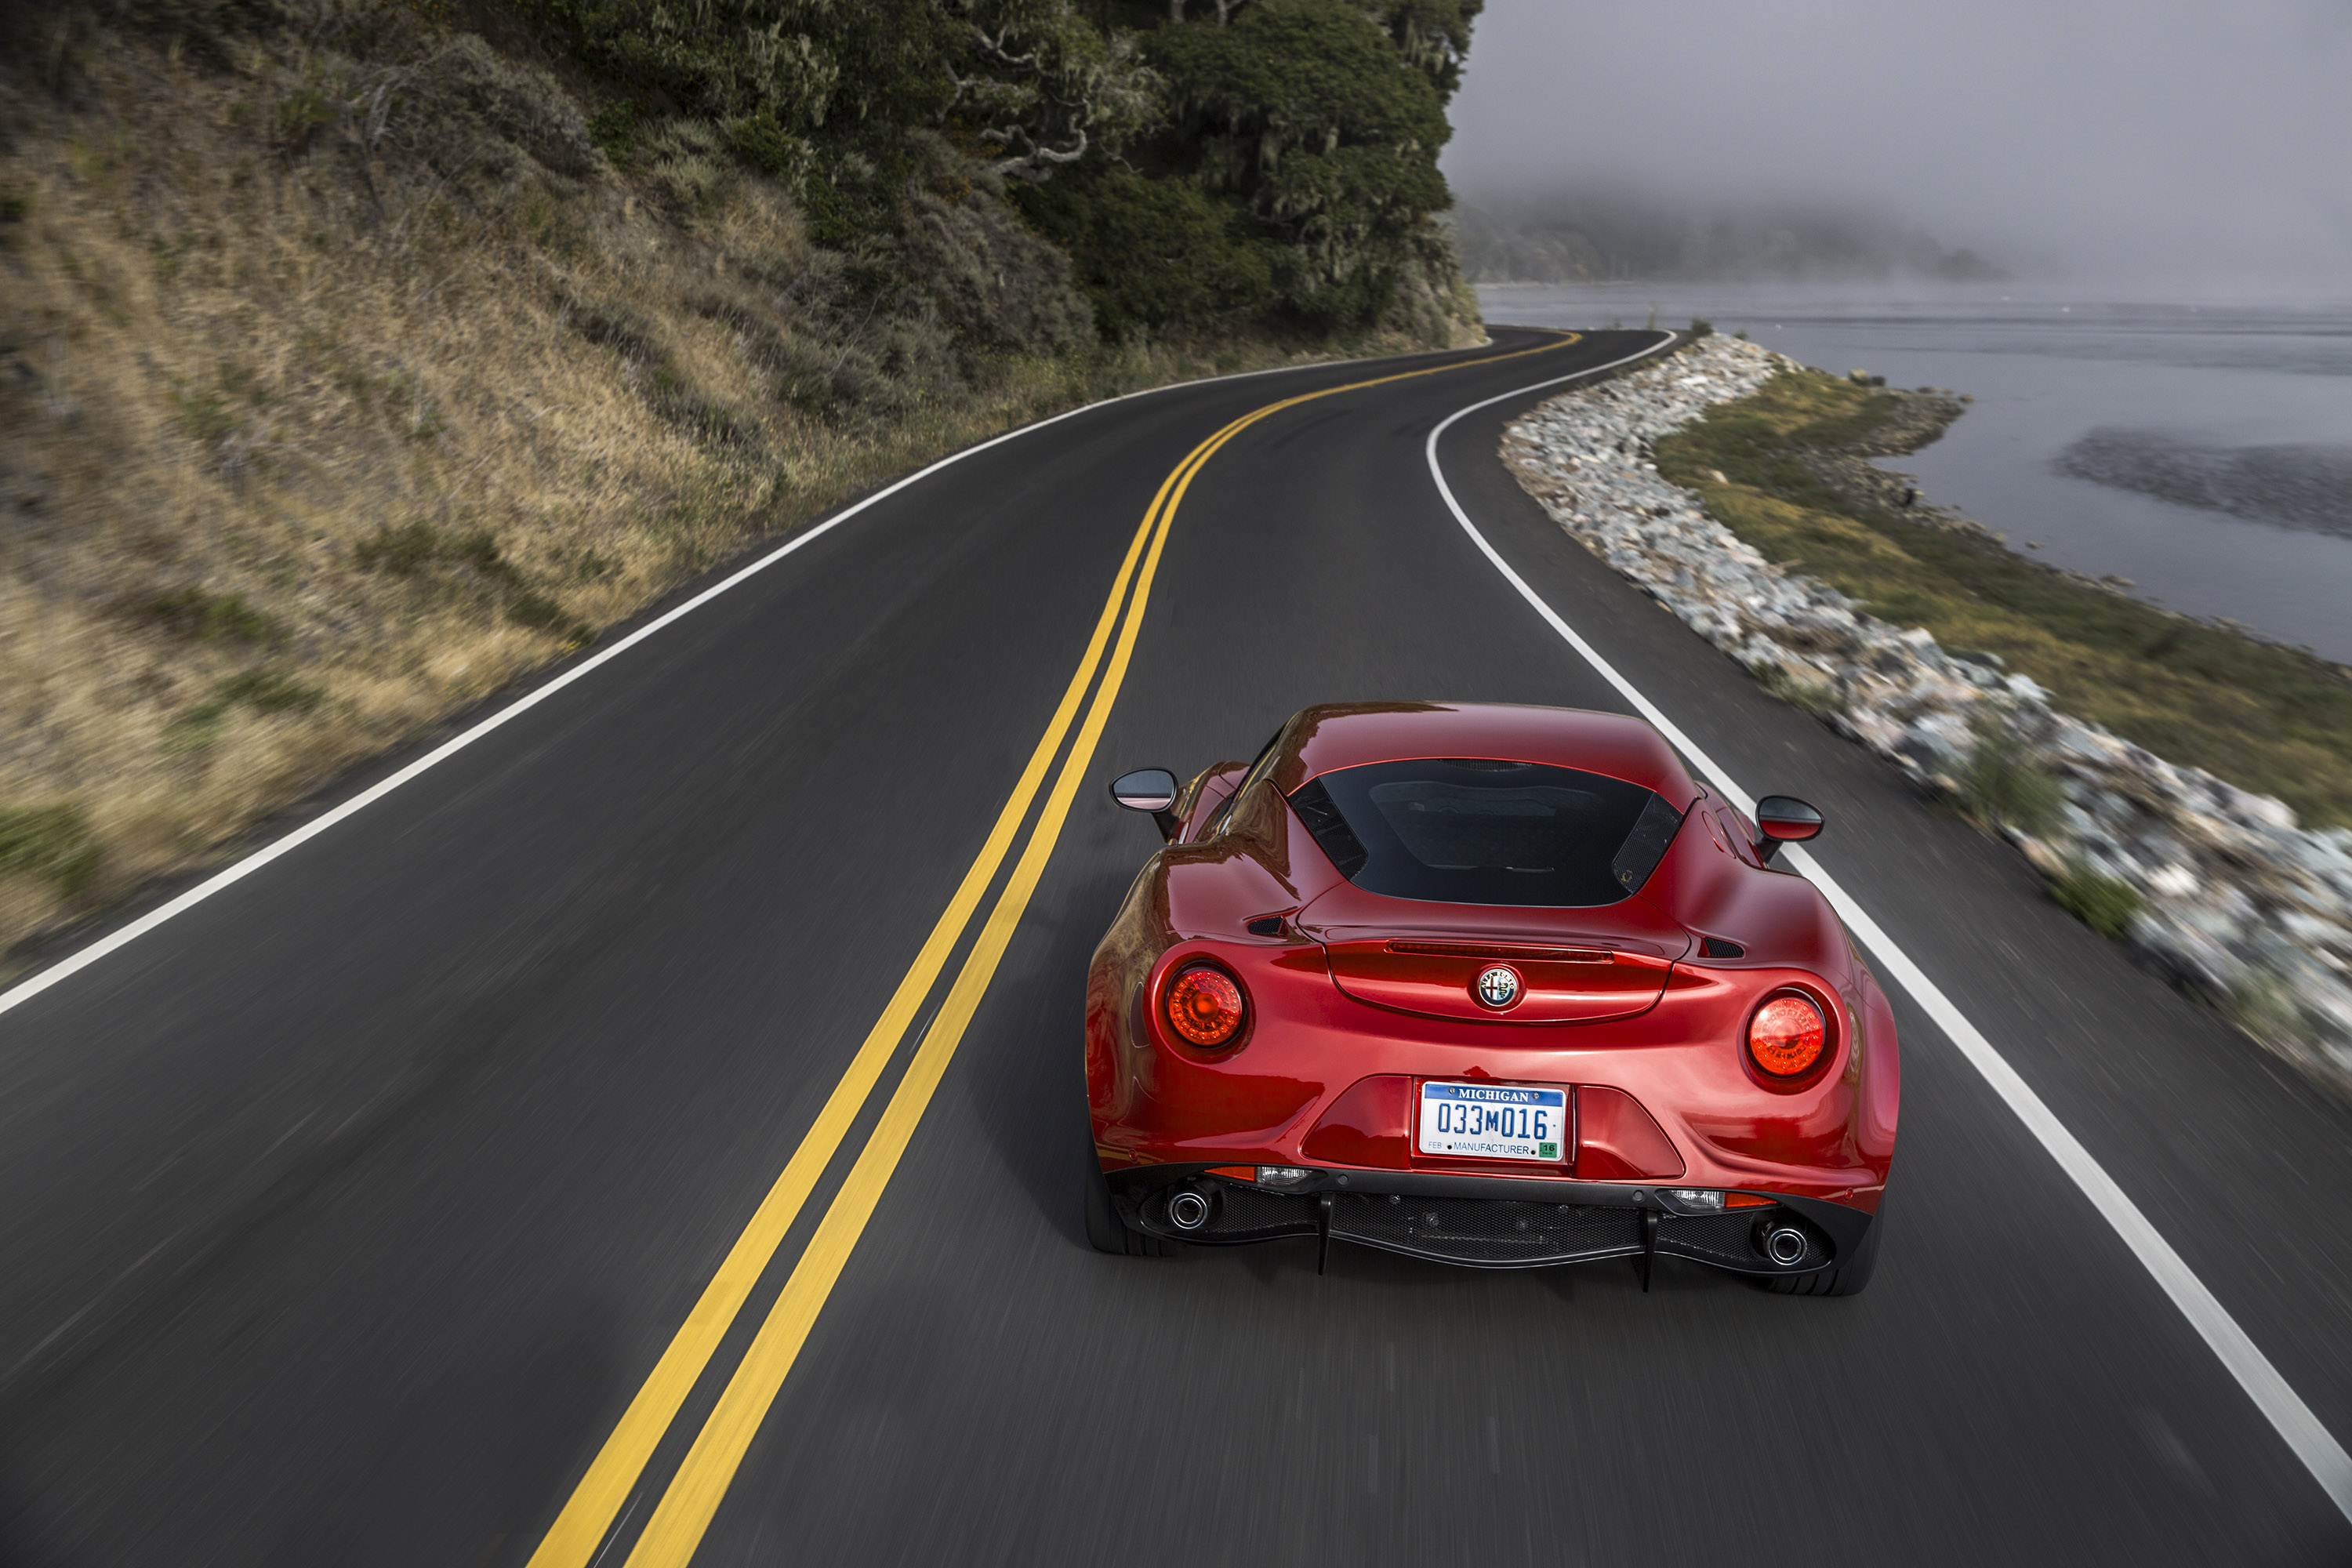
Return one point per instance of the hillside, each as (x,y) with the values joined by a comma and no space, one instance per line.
(359,355)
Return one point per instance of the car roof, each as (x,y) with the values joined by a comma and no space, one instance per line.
(1335,736)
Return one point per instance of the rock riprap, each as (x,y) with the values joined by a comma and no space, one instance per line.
(2225,891)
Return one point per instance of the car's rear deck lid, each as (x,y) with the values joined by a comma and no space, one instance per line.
(1448,977)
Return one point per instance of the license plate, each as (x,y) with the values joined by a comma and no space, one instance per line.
(1494,1122)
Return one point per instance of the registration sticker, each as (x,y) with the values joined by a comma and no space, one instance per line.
(1494,1122)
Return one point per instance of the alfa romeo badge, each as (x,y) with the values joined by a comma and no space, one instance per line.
(1498,987)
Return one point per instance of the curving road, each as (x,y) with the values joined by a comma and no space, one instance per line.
(356,1209)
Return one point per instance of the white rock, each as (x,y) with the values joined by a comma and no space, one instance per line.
(2233,893)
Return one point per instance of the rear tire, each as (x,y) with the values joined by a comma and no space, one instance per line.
(1848,1276)
(1105,1232)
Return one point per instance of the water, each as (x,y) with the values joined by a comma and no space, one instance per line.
(2202,450)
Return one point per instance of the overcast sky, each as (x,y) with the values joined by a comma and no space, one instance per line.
(2197,140)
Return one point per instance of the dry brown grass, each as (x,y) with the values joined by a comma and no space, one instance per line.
(296,454)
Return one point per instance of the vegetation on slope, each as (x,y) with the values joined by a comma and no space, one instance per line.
(357,355)
(1297,164)
(2263,717)
(1268,164)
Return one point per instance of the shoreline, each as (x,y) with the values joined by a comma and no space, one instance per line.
(2227,378)
(2219,885)
(1850,472)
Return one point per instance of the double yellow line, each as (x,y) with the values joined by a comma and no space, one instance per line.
(685,1510)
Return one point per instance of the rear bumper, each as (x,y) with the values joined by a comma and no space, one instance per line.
(1483,1222)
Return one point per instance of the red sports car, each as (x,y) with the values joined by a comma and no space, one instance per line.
(1495,986)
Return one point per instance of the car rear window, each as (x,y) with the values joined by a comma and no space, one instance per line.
(1468,831)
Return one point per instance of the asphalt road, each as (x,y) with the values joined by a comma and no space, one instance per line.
(346,1212)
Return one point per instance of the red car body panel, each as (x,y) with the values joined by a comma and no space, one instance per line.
(1353,999)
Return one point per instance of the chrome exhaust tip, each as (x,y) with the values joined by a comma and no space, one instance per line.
(1785,1244)
(1188,1210)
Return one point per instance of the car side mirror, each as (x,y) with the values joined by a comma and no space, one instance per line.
(1783,819)
(1150,789)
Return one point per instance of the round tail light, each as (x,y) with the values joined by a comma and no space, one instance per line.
(1204,1006)
(1786,1036)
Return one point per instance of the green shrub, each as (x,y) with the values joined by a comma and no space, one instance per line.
(195,730)
(52,841)
(541,612)
(1155,255)
(585,565)
(618,325)
(614,129)
(762,140)
(1703,328)
(479,549)
(267,691)
(414,549)
(404,550)
(299,117)
(206,414)
(2002,788)
(208,618)
(411,547)
(2104,903)
(692,170)
(2265,1006)
(1820,697)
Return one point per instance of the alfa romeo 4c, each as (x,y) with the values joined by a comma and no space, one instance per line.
(1494,985)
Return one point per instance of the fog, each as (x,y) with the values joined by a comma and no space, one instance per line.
(2166,142)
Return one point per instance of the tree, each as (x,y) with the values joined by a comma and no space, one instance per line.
(1156,255)
(1042,86)
(1270,160)
(1312,115)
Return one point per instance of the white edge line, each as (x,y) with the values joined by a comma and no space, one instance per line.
(124,936)
(2272,1396)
